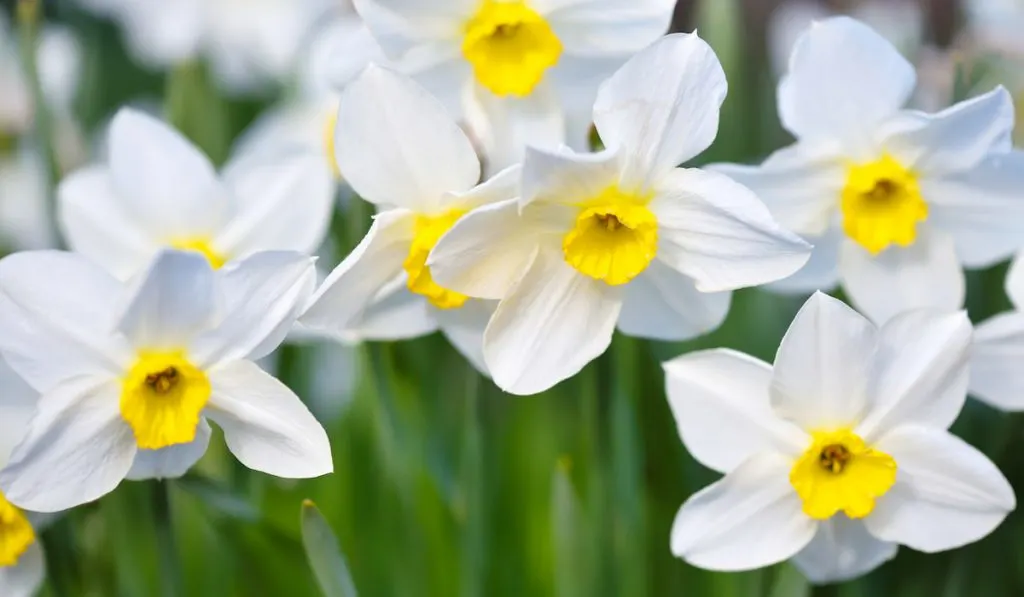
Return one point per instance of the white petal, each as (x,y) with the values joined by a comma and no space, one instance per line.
(607,27)
(661,108)
(95,223)
(947,493)
(719,233)
(485,253)
(955,139)
(563,176)
(265,425)
(822,269)
(339,302)
(750,519)
(1015,282)
(663,304)
(396,144)
(263,295)
(921,276)
(173,301)
(285,201)
(464,328)
(842,550)
(77,449)
(163,179)
(997,353)
(25,578)
(982,209)
(721,404)
(396,314)
(822,366)
(402,24)
(920,372)
(552,323)
(172,462)
(843,79)
(56,320)
(17,406)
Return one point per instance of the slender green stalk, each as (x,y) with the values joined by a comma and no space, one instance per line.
(475,520)
(167,549)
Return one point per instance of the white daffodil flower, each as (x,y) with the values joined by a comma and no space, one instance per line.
(996,373)
(534,65)
(129,373)
(157,190)
(839,453)
(400,149)
(895,201)
(620,237)
(22,565)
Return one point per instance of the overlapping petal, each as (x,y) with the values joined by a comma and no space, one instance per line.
(663,304)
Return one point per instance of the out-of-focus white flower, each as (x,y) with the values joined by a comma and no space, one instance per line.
(522,71)
(130,373)
(997,376)
(22,565)
(158,190)
(997,25)
(840,452)
(402,151)
(622,237)
(25,220)
(893,200)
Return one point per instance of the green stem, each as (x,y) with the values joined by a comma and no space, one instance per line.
(170,567)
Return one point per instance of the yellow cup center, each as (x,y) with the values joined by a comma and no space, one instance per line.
(882,204)
(202,246)
(16,534)
(427,231)
(162,398)
(510,47)
(614,239)
(839,472)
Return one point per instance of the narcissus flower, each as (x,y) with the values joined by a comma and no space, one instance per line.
(620,237)
(840,452)
(895,201)
(997,375)
(129,374)
(159,191)
(402,151)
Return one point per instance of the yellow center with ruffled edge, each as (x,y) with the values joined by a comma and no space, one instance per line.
(203,246)
(162,398)
(16,534)
(882,204)
(839,472)
(510,47)
(427,231)
(615,237)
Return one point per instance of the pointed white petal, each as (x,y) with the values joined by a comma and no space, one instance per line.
(56,320)
(920,372)
(921,276)
(396,314)
(1015,282)
(843,80)
(842,550)
(822,269)
(77,449)
(662,107)
(17,406)
(399,25)
(823,363)
(750,519)
(464,328)
(607,27)
(719,233)
(563,176)
(172,462)
(25,578)
(947,493)
(996,356)
(721,404)
(663,304)
(552,323)
(396,145)
(504,127)
(265,424)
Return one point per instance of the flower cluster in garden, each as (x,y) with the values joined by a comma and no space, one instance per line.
(467,125)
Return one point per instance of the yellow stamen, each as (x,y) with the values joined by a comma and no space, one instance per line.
(428,230)
(200,245)
(510,46)
(840,472)
(162,398)
(615,237)
(882,205)
(16,534)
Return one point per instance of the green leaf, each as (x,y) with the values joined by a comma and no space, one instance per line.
(325,557)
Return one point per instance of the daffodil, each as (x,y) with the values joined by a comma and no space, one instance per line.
(837,454)
(522,71)
(401,150)
(895,201)
(618,238)
(159,191)
(998,352)
(129,373)
(22,565)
